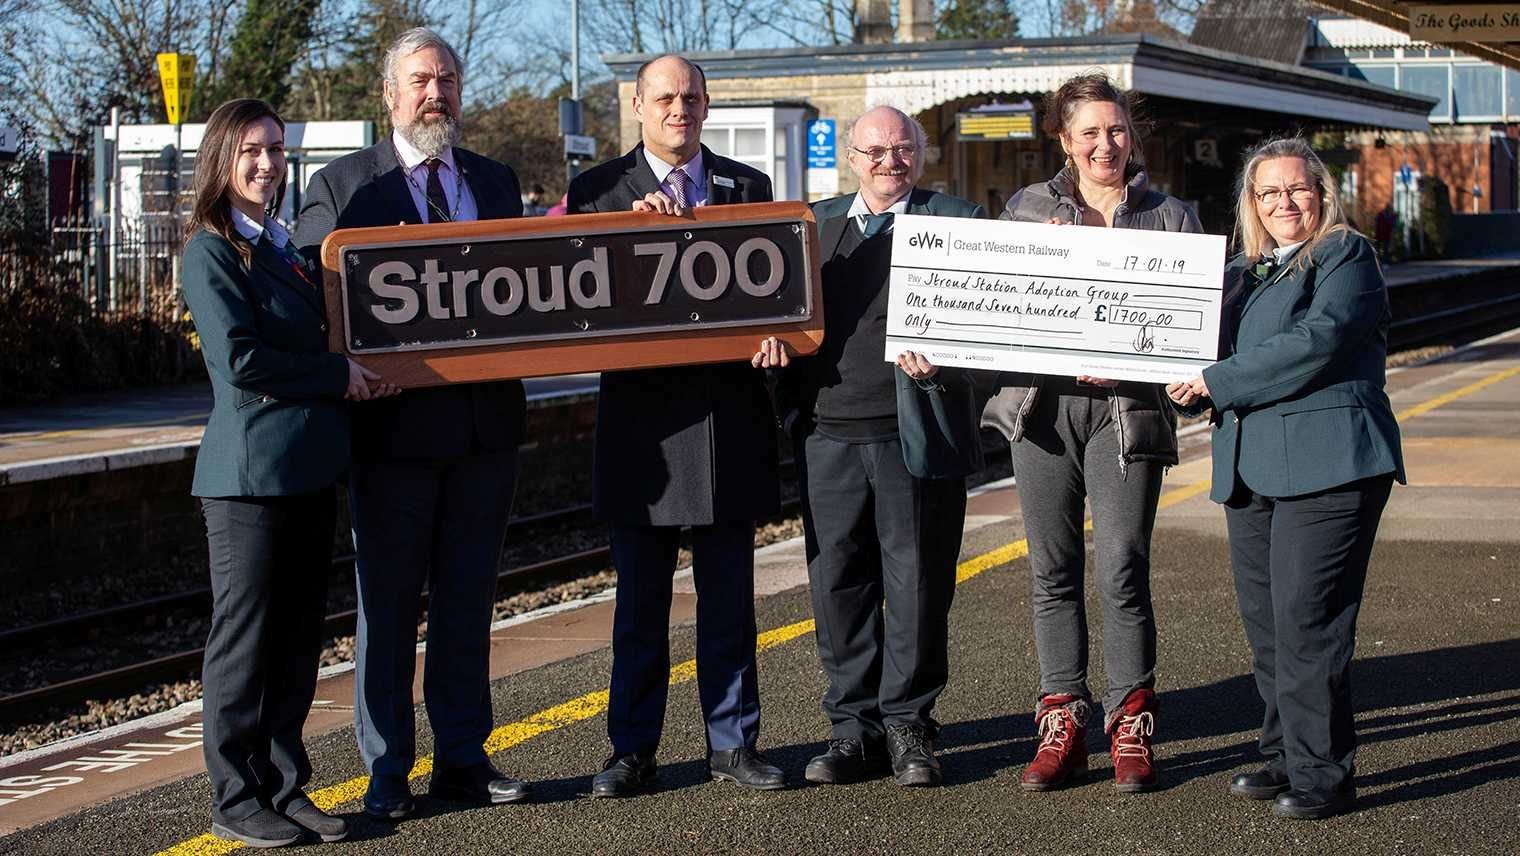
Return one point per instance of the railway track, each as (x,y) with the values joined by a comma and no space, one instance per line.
(1466,307)
(187,663)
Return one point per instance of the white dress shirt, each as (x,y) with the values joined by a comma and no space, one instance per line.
(860,211)
(1282,253)
(693,168)
(253,229)
(455,190)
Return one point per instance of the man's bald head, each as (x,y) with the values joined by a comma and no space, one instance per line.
(670,101)
(665,62)
(891,117)
(886,153)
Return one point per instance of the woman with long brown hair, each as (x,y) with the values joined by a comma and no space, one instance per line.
(275,446)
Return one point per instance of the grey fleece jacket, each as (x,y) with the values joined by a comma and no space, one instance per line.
(1142,414)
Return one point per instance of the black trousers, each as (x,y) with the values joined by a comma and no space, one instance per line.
(1300,566)
(877,536)
(270,557)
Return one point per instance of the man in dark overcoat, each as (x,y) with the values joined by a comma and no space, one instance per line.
(676,447)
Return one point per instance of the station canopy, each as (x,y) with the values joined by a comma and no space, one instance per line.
(918,76)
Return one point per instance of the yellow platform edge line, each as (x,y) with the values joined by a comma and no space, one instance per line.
(594,704)
(1438,401)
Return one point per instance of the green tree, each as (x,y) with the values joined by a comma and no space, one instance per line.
(271,35)
(977,19)
(340,75)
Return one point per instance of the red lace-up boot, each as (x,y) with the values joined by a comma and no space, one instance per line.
(1130,742)
(1062,756)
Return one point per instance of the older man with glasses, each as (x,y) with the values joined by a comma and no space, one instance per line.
(876,534)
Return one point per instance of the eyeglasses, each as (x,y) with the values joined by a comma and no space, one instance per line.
(1298,193)
(877,154)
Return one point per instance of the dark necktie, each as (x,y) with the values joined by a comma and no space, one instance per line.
(437,202)
(874,224)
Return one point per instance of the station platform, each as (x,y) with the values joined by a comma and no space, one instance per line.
(1436,685)
(141,427)
(133,428)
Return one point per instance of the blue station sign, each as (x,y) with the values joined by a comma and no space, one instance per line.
(822,144)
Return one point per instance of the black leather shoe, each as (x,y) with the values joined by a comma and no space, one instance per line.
(478,783)
(388,798)
(318,822)
(624,775)
(747,767)
(1263,784)
(847,761)
(263,828)
(913,760)
(1313,804)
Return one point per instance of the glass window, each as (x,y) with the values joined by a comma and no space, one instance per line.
(1477,92)
(720,140)
(749,143)
(1431,80)
(1514,94)
(1382,75)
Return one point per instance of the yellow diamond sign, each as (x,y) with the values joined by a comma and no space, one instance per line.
(177,72)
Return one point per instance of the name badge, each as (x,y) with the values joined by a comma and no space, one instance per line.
(723,181)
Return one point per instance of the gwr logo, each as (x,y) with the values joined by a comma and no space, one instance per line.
(927,240)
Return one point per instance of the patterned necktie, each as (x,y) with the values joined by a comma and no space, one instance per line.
(680,187)
(438,203)
(292,258)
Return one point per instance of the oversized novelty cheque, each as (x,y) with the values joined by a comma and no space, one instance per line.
(1053,299)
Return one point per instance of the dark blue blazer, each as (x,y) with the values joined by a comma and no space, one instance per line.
(1298,397)
(279,425)
(680,445)
(368,188)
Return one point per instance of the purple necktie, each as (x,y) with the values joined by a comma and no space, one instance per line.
(680,187)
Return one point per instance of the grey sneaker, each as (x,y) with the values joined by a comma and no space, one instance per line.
(264,828)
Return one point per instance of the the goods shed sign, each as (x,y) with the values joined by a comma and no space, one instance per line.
(519,298)
(1487,22)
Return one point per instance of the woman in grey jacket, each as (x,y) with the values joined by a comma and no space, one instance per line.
(1089,438)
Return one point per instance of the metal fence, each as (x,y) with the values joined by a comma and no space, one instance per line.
(137,274)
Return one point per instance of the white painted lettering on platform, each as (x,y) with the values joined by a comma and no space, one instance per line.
(101,760)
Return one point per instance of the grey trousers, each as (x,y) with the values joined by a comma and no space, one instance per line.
(1069,452)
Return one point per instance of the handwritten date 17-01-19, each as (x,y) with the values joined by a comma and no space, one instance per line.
(1155,264)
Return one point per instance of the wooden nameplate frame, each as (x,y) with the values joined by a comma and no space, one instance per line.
(432,304)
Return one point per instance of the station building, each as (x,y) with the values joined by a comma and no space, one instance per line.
(979,103)
(1473,140)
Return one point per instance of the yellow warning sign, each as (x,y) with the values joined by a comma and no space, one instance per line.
(972,127)
(177,73)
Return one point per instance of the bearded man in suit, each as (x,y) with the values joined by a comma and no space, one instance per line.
(434,470)
(681,446)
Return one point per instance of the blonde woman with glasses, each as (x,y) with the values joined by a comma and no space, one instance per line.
(1306,450)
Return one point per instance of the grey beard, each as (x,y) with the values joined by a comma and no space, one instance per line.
(431,138)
